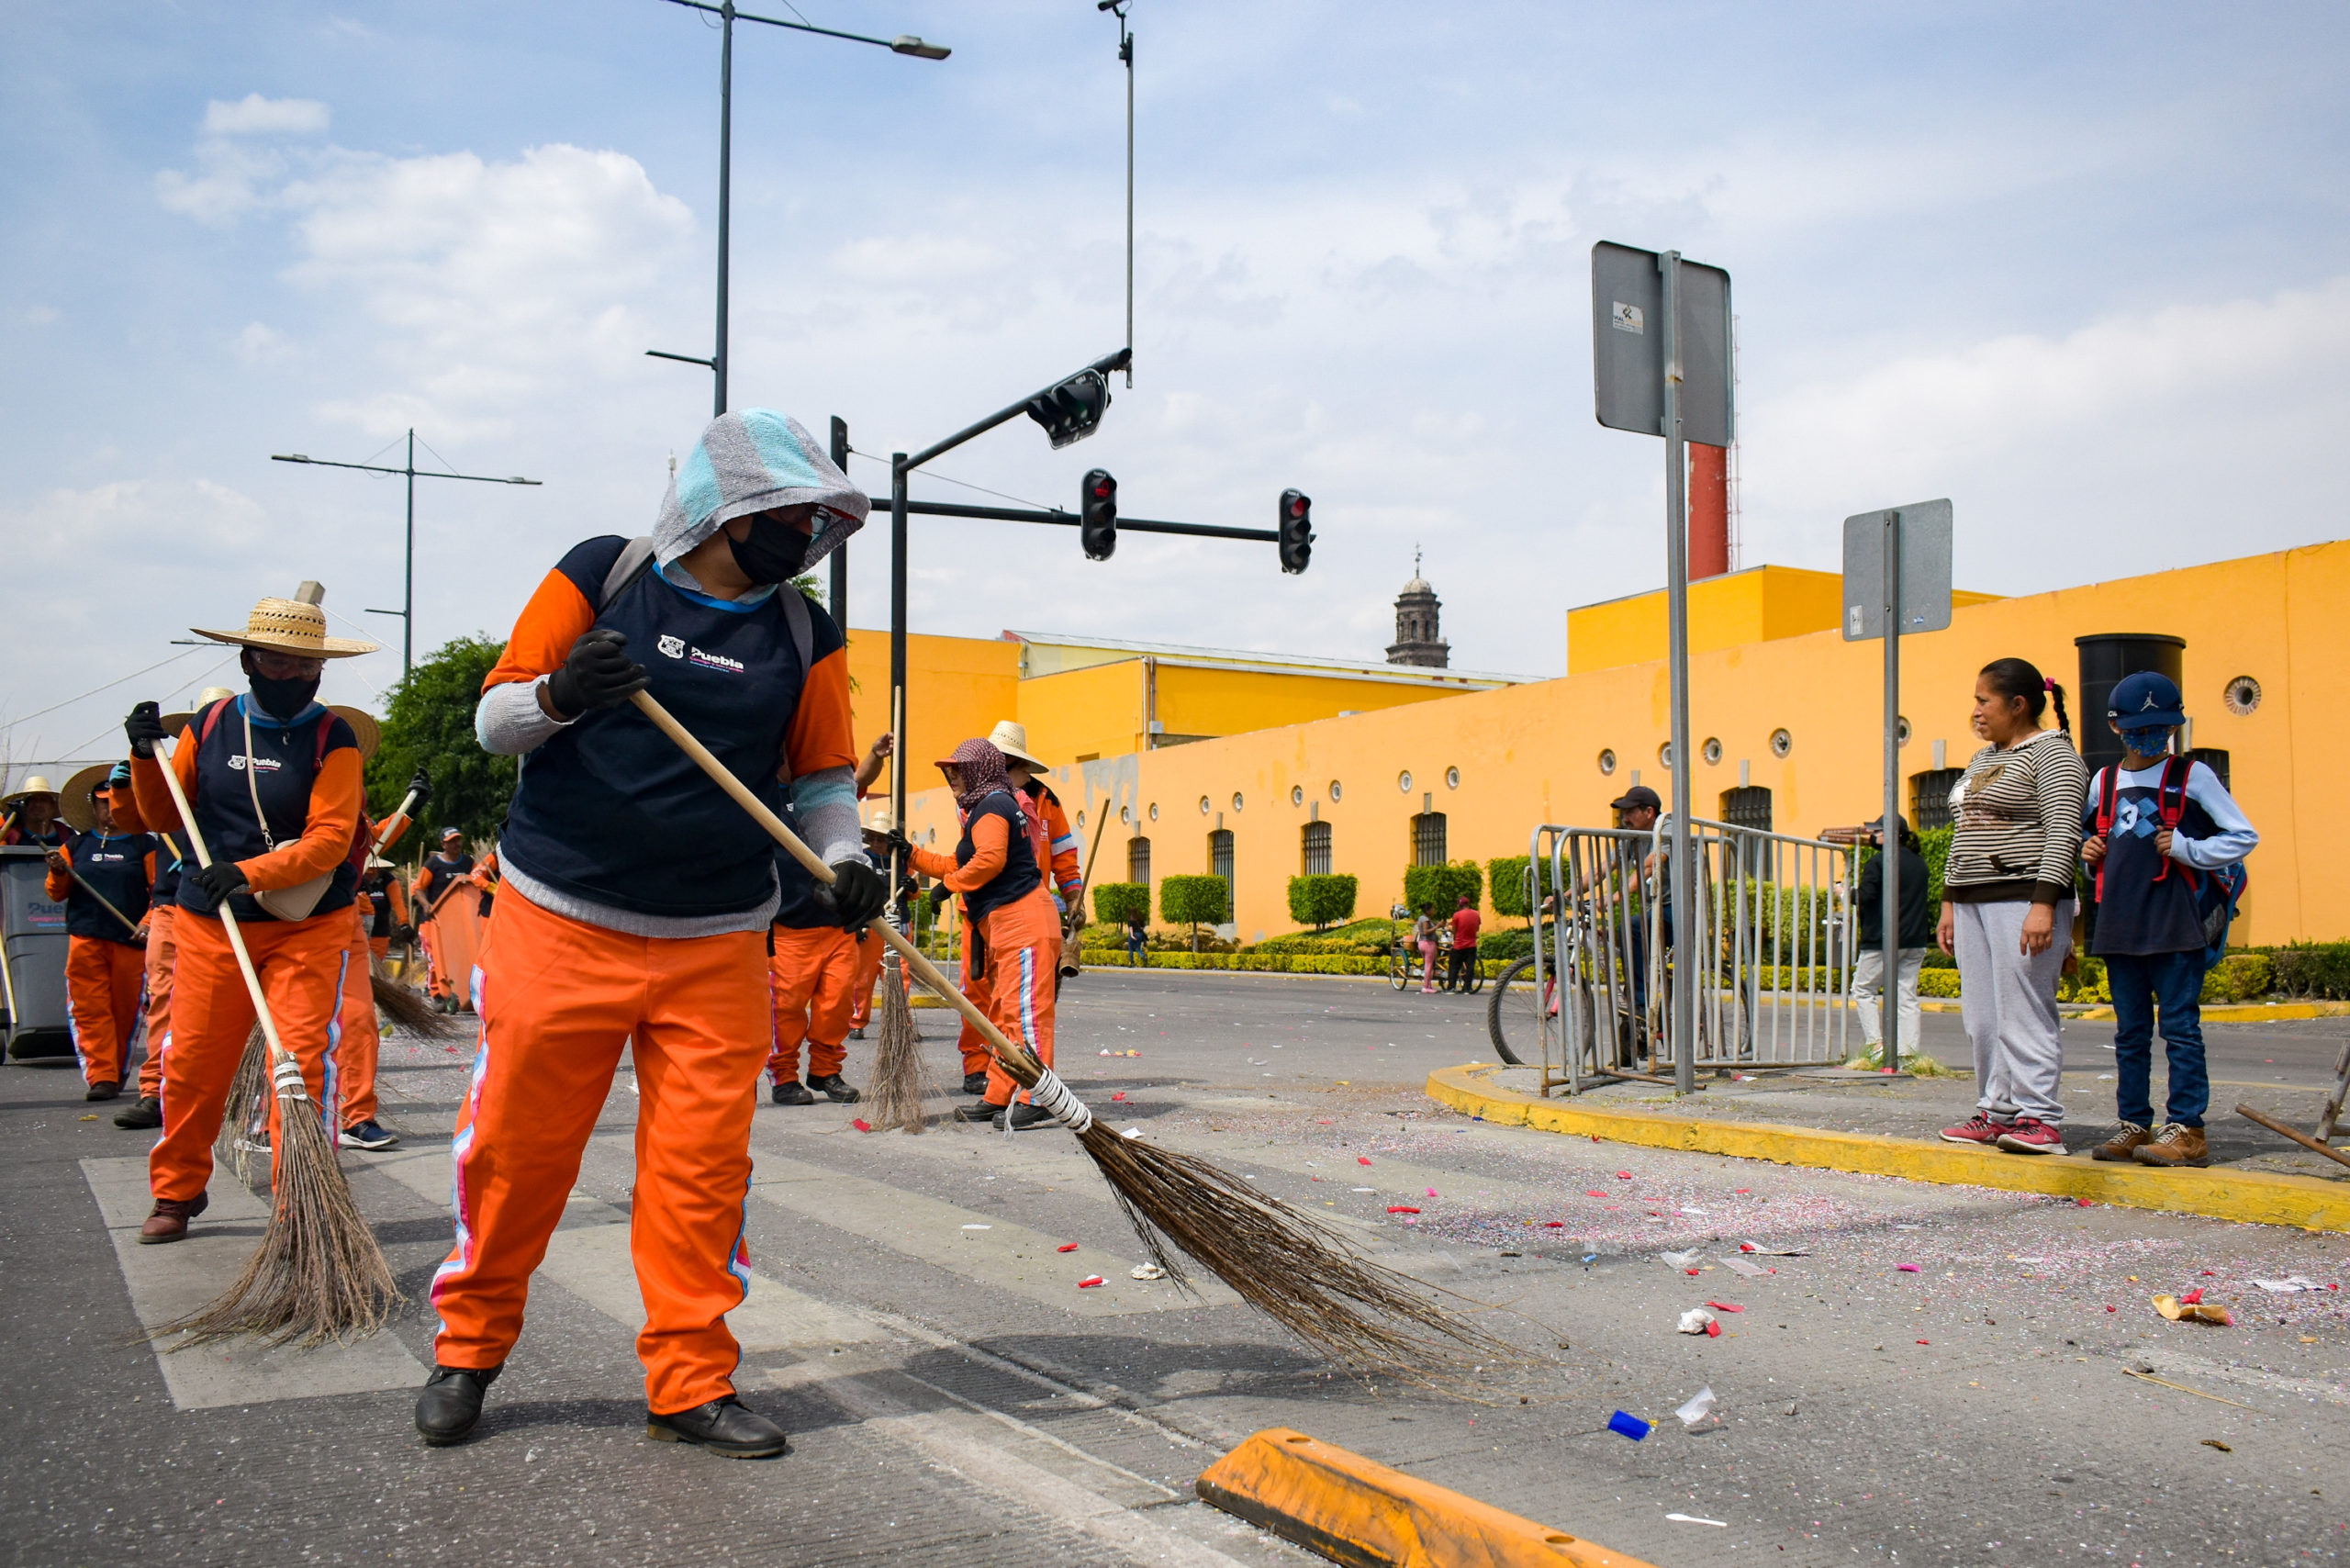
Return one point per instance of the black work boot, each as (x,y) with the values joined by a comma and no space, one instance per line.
(146,1112)
(724,1426)
(104,1088)
(1019,1118)
(791,1093)
(975,1083)
(836,1088)
(451,1403)
(978,1111)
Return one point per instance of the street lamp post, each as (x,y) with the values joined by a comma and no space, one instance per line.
(727,13)
(407,611)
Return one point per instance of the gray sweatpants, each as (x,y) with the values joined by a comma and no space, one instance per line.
(2009,1005)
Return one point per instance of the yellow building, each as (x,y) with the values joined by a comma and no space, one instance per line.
(1371,765)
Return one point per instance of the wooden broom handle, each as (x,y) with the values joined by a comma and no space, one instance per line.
(227,916)
(925,970)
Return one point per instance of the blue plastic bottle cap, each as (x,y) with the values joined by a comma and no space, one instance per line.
(1624,1424)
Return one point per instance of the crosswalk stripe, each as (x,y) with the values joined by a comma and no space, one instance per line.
(167,1282)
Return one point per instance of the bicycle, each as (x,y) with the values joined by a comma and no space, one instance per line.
(1514,1014)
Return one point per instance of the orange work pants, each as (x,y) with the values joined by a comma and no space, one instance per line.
(558,1000)
(359,1039)
(102,981)
(868,971)
(162,951)
(303,965)
(380,945)
(975,977)
(1022,962)
(810,974)
(451,939)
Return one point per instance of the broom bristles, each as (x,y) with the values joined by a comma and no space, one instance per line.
(901,1079)
(317,1273)
(409,1008)
(246,1115)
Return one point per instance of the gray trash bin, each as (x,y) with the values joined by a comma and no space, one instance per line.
(32,938)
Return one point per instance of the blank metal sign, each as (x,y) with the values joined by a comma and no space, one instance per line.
(1627,344)
(1925,571)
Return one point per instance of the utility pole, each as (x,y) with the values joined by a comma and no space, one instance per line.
(727,14)
(407,611)
(1126,53)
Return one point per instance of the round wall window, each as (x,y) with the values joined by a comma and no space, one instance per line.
(1665,754)
(1235,800)
(2242,696)
(1712,750)
(1126,814)
(1452,779)
(1297,794)
(1782,743)
(1606,761)
(1081,816)
(1204,805)
(1403,781)
(1154,810)
(1333,789)
(1901,730)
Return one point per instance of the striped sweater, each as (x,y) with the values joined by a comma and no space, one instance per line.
(2018,815)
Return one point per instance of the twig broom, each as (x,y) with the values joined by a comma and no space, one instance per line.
(1297,1272)
(317,1273)
(901,1081)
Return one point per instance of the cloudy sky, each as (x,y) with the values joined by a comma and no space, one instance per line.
(2084,269)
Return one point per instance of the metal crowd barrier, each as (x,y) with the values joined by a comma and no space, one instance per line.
(1770,926)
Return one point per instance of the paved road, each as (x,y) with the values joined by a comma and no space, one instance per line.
(953,1394)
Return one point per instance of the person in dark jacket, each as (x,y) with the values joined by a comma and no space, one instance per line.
(1916,934)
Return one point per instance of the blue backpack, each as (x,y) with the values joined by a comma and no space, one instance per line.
(2217,894)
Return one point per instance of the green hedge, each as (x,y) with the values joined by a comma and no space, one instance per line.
(1325,946)
(1442,887)
(1261,962)
(1116,903)
(1322,901)
(1510,942)
(1506,877)
(2310,968)
(1194,901)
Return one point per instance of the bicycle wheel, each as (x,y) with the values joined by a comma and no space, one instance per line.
(1399,971)
(1514,1014)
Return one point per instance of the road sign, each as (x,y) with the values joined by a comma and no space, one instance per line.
(1925,571)
(1627,344)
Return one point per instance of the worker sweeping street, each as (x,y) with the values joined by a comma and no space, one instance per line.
(900,913)
(273,780)
(811,965)
(448,902)
(359,1039)
(1013,934)
(172,858)
(28,814)
(385,900)
(636,905)
(1057,844)
(103,876)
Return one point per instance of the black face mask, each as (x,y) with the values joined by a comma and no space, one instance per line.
(283,698)
(774,551)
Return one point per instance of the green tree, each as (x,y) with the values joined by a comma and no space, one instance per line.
(1322,901)
(428,724)
(1193,902)
(1439,886)
(1117,903)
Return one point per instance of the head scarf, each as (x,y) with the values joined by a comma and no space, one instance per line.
(982,770)
(756,461)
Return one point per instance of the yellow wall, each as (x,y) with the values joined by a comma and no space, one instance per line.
(950,681)
(1759,604)
(1527,754)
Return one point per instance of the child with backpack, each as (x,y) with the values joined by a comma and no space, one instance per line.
(2165,845)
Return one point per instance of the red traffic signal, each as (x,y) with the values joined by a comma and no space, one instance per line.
(1098,515)
(1296,544)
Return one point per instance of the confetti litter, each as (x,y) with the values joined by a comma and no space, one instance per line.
(1409,1220)
(1147,1271)
(1743,1191)
(1697,1320)
(91,1117)
(1724,1306)
(1694,1519)
(978,1228)
(2170,1306)
(1921,1341)
(1589,1257)
(1105,1053)
(1908,1268)
(1693,1272)
(1431,1191)
(861,1124)
(1693,1211)
(2113,1309)
(1554,1224)
(1362,1159)
(1400,1209)
(1087,1283)
(1594,1192)
(1065,1247)
(1623,1423)
(1119,1095)
(1623,1175)
(2192,1298)
(1714,1331)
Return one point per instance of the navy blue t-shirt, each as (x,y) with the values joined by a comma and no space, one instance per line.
(1020,876)
(287,754)
(115,865)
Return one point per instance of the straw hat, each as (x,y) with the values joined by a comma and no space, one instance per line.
(73,803)
(1010,737)
(37,784)
(881,823)
(175,723)
(288,626)
(364,725)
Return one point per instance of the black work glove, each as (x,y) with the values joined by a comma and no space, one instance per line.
(599,673)
(420,786)
(857,893)
(219,879)
(145,727)
(902,846)
(404,936)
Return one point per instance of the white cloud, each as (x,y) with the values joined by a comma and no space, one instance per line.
(254,115)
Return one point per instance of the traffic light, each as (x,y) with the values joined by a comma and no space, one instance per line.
(1296,529)
(1098,515)
(1072,411)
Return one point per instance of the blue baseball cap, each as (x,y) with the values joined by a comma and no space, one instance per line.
(2146,701)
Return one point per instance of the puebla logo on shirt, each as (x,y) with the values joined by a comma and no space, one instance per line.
(238,764)
(715,661)
(671,647)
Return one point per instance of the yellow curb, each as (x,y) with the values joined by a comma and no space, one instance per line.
(2212,1012)
(1355,1511)
(2258,1197)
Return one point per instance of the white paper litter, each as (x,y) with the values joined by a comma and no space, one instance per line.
(1744,1269)
(1760,1250)
(1131,1132)
(1681,1260)
(1694,1321)
(978,1228)
(2290,1285)
(1148,1271)
(1698,1407)
(1694,1519)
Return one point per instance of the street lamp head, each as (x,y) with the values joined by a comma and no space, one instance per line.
(290,458)
(906,43)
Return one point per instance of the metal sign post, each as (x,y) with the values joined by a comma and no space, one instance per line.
(1897,579)
(1673,381)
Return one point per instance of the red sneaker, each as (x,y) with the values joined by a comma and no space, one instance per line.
(1981,1130)
(2031,1136)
